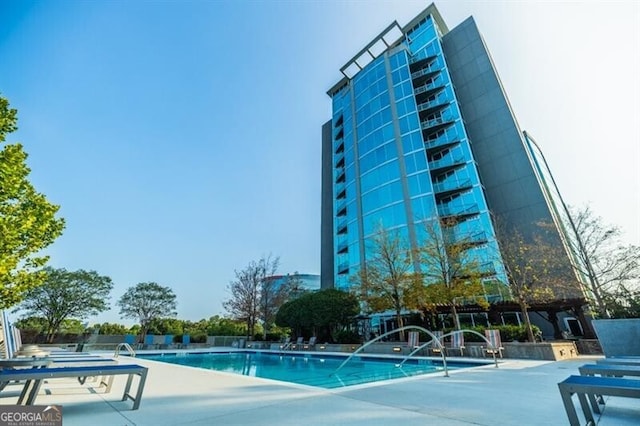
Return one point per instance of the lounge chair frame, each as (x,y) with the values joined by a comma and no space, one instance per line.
(605,370)
(592,385)
(35,376)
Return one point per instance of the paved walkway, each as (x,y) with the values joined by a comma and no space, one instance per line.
(518,393)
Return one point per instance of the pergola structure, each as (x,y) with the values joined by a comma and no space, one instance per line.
(549,309)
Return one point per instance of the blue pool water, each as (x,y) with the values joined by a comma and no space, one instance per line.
(307,369)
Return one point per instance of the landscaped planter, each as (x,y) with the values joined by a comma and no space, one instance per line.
(550,351)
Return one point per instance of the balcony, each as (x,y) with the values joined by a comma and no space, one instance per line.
(430,107)
(342,227)
(339,147)
(418,63)
(446,188)
(429,89)
(465,238)
(340,134)
(339,122)
(340,176)
(487,269)
(343,248)
(421,77)
(445,211)
(474,238)
(341,210)
(446,163)
(342,193)
(343,268)
(340,159)
(432,126)
(441,142)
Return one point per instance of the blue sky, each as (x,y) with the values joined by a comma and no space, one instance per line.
(182,139)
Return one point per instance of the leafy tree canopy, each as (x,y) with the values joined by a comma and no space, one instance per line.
(65,295)
(146,302)
(28,221)
(324,312)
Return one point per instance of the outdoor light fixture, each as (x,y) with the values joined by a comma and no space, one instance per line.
(397,349)
(322,347)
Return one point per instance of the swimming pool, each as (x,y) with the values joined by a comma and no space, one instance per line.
(308,369)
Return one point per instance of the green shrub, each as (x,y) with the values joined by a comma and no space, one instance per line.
(198,338)
(511,333)
(347,336)
(274,337)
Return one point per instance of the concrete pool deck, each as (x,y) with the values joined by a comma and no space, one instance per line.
(520,392)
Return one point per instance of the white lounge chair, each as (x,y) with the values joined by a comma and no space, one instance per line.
(495,342)
(457,342)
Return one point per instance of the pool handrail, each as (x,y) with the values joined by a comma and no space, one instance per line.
(127,347)
(406,327)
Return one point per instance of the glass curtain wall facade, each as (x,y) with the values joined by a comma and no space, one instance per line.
(559,211)
(400,153)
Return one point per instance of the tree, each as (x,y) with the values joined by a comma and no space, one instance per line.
(324,313)
(110,328)
(386,276)
(146,302)
(608,266)
(333,310)
(34,325)
(28,221)
(536,269)
(171,326)
(255,296)
(65,295)
(273,292)
(219,326)
(449,274)
(624,303)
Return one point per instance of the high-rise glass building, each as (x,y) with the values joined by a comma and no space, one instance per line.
(422,132)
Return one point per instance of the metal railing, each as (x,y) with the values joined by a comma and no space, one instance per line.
(407,327)
(126,346)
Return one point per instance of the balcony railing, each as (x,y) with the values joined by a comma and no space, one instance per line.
(434,104)
(445,210)
(436,84)
(450,186)
(435,122)
(343,268)
(429,69)
(447,161)
(466,239)
(342,227)
(441,141)
(487,269)
(416,60)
